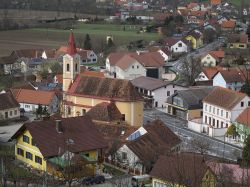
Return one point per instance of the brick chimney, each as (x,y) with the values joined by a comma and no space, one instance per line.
(59,128)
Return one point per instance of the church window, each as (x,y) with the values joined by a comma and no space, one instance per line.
(67,67)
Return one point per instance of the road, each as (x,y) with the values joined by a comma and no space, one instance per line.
(176,65)
(217,147)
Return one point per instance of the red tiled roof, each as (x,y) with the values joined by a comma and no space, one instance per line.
(81,130)
(7,101)
(59,78)
(93,74)
(238,38)
(211,71)
(217,54)
(215,2)
(34,96)
(224,97)
(234,75)
(230,24)
(244,117)
(185,169)
(71,49)
(197,13)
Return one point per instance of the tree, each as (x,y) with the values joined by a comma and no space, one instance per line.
(87,42)
(56,68)
(246,88)
(200,146)
(231,131)
(248,31)
(39,111)
(246,151)
(45,112)
(209,35)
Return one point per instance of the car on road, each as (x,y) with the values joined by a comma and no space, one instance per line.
(98,179)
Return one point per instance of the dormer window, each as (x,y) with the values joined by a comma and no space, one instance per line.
(67,67)
(76,67)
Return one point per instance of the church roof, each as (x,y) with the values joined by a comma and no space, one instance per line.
(71,49)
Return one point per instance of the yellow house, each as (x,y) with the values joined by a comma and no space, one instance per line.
(81,93)
(195,37)
(182,170)
(50,146)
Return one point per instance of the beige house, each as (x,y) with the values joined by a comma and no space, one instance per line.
(9,107)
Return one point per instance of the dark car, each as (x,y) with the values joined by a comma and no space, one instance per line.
(98,179)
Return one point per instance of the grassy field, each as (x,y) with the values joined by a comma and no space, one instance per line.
(53,38)
(238,2)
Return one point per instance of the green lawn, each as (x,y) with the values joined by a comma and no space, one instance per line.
(119,32)
(238,2)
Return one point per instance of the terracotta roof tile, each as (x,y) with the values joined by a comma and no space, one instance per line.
(107,88)
(93,74)
(244,117)
(215,2)
(217,54)
(185,169)
(230,24)
(223,97)
(34,96)
(81,130)
(105,112)
(7,101)
(158,140)
(234,75)
(238,38)
(211,71)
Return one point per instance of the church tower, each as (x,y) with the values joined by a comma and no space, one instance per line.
(71,63)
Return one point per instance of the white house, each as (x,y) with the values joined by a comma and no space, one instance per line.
(220,108)
(135,64)
(29,100)
(176,45)
(212,58)
(87,56)
(155,91)
(231,78)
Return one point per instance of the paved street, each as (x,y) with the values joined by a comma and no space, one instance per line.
(217,147)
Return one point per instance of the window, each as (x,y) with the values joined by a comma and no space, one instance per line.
(69,110)
(11,113)
(38,160)
(218,111)
(26,139)
(248,103)
(241,46)
(213,122)
(205,107)
(242,104)
(210,108)
(83,112)
(221,113)
(132,67)
(173,85)
(15,112)
(221,125)
(26,106)
(76,67)
(213,110)
(67,67)
(168,93)
(123,117)
(20,152)
(205,119)
(137,67)
(124,156)
(226,114)
(226,125)
(209,121)
(32,142)
(217,123)
(180,44)
(29,155)
(201,113)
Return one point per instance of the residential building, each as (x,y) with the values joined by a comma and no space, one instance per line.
(238,41)
(176,45)
(9,107)
(208,73)
(212,58)
(9,65)
(87,56)
(228,25)
(81,93)
(135,64)
(221,107)
(195,37)
(154,91)
(187,104)
(51,145)
(29,100)
(215,2)
(231,78)
(182,169)
(242,124)
(146,144)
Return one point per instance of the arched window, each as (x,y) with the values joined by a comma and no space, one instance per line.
(76,67)
(67,67)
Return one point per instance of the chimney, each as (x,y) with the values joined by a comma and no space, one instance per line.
(59,128)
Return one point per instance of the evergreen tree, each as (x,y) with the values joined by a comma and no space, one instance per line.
(246,151)
(45,112)
(39,111)
(87,42)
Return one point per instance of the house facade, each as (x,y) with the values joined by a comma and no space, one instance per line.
(213,58)
(154,91)
(9,107)
(176,45)
(81,93)
(242,124)
(187,104)
(238,41)
(221,108)
(195,37)
(35,145)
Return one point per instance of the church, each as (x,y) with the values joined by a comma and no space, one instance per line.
(81,93)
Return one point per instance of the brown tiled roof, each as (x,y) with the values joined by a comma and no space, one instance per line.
(230,24)
(170,41)
(93,74)
(8,59)
(106,88)
(238,38)
(185,169)
(197,13)
(81,130)
(215,2)
(34,96)
(211,71)
(63,50)
(149,83)
(158,140)
(244,117)
(223,97)
(114,57)
(26,86)
(7,101)
(233,75)
(28,53)
(217,54)
(125,62)
(105,112)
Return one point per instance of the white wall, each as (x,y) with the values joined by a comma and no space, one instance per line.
(11,113)
(176,49)
(202,77)
(208,60)
(238,109)
(195,126)
(218,80)
(133,71)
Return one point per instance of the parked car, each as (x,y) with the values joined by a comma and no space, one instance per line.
(98,179)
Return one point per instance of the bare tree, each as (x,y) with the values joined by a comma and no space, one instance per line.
(201,146)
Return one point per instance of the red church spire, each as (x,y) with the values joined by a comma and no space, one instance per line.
(71,50)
